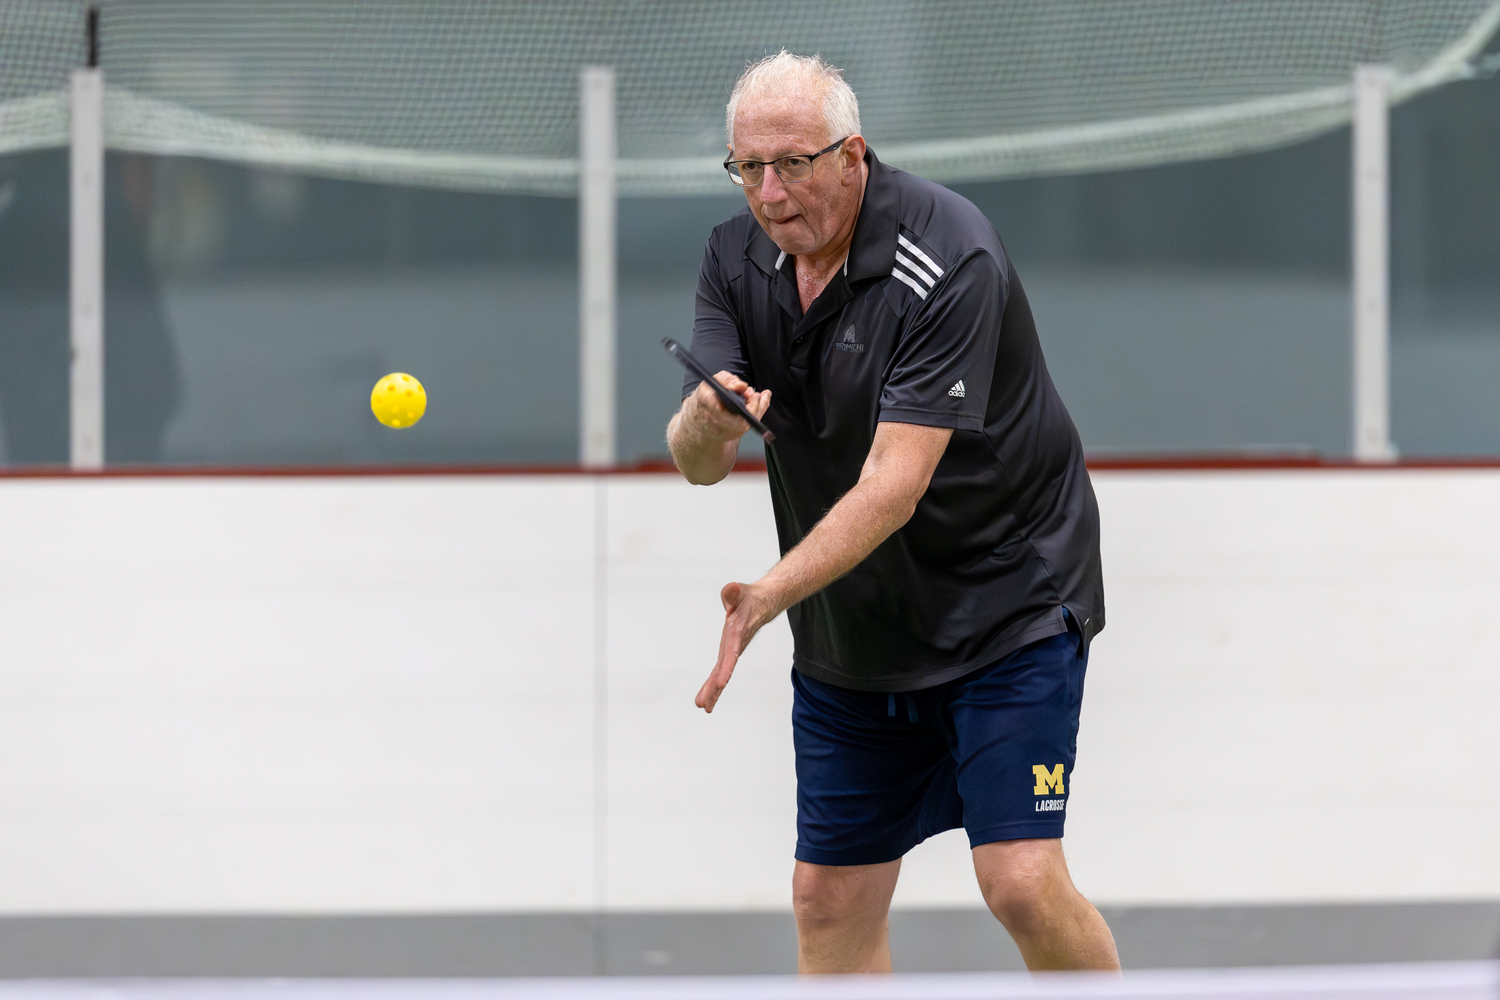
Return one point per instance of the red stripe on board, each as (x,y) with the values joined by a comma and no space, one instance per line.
(1176,463)
(648,466)
(1145,463)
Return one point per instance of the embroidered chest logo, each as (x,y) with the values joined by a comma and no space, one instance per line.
(848,344)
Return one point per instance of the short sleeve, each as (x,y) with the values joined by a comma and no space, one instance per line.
(716,332)
(945,359)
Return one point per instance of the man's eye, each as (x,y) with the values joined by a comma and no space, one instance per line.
(793,162)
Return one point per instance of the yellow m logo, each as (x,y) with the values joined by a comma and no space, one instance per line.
(1048,782)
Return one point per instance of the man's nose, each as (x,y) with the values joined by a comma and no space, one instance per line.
(771,186)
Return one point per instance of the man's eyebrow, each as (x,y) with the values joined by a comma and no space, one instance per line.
(762,159)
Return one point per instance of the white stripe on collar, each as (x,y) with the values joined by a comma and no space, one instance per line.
(780,260)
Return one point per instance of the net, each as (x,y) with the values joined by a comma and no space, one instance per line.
(484,96)
(1425,981)
(40,42)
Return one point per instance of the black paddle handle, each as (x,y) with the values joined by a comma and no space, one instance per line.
(732,400)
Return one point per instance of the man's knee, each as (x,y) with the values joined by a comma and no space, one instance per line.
(1024,882)
(825,895)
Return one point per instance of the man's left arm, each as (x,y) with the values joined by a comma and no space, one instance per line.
(894,477)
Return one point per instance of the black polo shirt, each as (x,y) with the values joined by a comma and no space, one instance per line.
(926,324)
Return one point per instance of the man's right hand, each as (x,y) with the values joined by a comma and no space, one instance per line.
(717,421)
(705,435)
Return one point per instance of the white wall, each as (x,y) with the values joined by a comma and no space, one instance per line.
(348,694)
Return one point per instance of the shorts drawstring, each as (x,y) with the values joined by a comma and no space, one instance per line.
(911,706)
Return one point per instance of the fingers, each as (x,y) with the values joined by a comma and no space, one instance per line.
(732,382)
(708,694)
(716,418)
(730,647)
(744,614)
(732,642)
(736,384)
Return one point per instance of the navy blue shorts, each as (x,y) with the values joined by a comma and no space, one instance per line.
(992,752)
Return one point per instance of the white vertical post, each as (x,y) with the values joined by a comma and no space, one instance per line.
(86,270)
(1372,265)
(596,266)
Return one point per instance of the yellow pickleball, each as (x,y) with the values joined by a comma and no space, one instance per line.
(398,400)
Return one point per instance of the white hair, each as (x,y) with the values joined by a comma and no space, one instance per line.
(785,72)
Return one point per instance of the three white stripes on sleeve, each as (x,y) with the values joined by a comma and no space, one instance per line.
(913,274)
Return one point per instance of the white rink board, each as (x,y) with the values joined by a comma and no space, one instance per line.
(386,694)
(295,695)
(702,807)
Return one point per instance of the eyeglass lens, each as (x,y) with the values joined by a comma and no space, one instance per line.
(792,169)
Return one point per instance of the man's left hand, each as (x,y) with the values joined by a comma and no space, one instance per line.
(894,477)
(747,606)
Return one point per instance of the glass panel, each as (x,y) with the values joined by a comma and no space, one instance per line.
(1445,256)
(1205,306)
(661,248)
(263,306)
(1200,307)
(1196,307)
(34,308)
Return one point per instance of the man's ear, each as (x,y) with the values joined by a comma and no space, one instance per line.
(854,149)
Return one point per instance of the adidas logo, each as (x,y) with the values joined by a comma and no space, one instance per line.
(958,389)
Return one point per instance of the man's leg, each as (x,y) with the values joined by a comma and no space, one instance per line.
(842,915)
(1028,889)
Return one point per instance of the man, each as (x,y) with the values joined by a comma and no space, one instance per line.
(939,536)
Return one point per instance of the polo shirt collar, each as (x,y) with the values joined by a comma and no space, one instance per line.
(765,254)
(872,250)
(769,258)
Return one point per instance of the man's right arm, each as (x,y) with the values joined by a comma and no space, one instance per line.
(705,437)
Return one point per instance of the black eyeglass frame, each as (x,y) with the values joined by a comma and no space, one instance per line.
(729,163)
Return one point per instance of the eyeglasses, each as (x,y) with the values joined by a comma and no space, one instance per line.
(791,169)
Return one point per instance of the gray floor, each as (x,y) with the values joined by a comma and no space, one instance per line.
(716,943)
